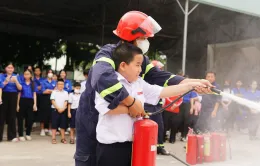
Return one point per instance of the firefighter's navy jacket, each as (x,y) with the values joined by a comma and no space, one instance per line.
(103,79)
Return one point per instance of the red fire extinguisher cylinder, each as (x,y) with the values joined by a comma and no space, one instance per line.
(191,149)
(144,143)
(200,154)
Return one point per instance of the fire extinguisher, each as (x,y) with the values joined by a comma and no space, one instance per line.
(144,142)
(216,146)
(223,147)
(191,148)
(208,157)
(200,153)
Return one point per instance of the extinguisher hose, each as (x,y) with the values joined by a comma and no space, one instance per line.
(184,163)
(174,101)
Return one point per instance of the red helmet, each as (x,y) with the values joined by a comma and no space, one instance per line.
(135,24)
(157,64)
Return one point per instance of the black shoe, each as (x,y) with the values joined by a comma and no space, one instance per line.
(162,151)
(172,141)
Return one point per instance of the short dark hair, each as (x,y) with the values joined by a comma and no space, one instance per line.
(37,67)
(77,84)
(210,72)
(125,52)
(60,80)
(85,72)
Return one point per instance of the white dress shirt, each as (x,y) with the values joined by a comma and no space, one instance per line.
(59,97)
(74,100)
(119,128)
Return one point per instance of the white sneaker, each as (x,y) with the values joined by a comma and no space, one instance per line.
(28,138)
(183,139)
(67,133)
(50,133)
(42,133)
(46,130)
(15,140)
(22,139)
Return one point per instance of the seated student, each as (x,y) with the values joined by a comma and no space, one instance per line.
(59,99)
(115,127)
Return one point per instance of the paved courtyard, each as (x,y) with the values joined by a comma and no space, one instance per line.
(41,152)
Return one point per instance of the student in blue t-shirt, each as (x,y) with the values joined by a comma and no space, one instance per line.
(10,85)
(48,85)
(254,95)
(38,87)
(67,83)
(241,111)
(26,105)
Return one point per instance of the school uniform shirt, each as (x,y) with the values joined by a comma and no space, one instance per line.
(11,86)
(83,86)
(74,100)
(119,128)
(67,86)
(187,97)
(59,97)
(27,91)
(240,91)
(48,85)
(253,96)
(38,82)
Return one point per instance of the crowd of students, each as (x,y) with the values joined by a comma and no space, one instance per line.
(30,98)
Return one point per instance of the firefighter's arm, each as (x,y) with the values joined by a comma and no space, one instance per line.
(154,75)
(108,87)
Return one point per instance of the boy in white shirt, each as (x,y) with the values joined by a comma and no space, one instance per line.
(59,99)
(72,109)
(115,127)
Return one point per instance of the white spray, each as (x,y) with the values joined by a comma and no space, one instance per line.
(250,104)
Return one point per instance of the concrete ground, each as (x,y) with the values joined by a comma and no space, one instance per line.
(41,152)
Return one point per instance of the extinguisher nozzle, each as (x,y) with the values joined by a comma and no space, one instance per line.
(215,90)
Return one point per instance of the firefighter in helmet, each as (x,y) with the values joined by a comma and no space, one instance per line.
(134,27)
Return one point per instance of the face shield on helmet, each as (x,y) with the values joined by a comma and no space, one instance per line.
(149,27)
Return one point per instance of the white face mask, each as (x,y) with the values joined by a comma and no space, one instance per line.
(143,44)
(50,75)
(77,91)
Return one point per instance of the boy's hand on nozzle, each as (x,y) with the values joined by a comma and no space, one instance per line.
(137,109)
(198,86)
(204,89)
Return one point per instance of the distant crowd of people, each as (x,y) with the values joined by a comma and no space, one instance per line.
(30,98)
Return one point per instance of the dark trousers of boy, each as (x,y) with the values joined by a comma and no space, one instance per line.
(116,154)
(58,119)
(44,113)
(25,112)
(171,122)
(184,116)
(8,114)
(158,119)
(253,124)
